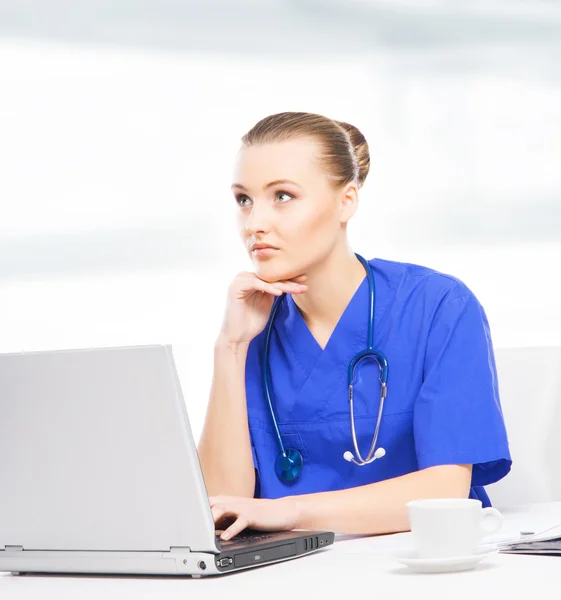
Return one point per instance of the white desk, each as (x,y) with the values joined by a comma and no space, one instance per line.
(363,567)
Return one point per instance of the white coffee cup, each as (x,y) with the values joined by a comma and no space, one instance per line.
(446,527)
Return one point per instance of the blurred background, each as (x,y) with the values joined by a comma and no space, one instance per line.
(120,121)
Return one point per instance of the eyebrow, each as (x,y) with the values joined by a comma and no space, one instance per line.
(270,184)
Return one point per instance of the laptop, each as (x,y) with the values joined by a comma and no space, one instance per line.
(99,472)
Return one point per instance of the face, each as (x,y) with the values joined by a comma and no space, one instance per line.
(290,217)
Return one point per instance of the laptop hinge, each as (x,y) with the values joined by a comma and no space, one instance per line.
(13,548)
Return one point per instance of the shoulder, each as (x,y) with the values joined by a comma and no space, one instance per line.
(406,279)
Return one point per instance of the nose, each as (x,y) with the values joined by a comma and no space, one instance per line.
(259,219)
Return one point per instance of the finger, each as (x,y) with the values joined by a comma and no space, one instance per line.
(291,287)
(256,284)
(230,510)
(220,512)
(237,526)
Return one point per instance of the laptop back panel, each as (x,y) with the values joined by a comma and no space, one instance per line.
(93,453)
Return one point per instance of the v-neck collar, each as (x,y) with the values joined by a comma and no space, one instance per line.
(351,324)
(324,371)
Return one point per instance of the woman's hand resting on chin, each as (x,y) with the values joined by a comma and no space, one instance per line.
(249,304)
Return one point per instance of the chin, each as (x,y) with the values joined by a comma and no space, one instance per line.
(270,272)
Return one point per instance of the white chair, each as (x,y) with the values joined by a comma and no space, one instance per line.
(530,392)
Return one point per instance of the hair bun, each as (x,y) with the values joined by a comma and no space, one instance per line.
(360,147)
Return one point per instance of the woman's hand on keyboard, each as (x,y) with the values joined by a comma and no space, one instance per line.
(281,514)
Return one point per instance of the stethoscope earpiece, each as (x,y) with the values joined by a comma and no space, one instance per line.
(349,457)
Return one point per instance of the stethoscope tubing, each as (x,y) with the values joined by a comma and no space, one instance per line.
(289,463)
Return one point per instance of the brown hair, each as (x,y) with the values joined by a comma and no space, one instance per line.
(345,153)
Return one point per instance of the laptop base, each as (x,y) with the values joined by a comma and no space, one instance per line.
(175,562)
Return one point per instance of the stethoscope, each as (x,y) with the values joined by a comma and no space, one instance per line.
(289,462)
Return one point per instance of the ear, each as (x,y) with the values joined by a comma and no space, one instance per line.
(349,201)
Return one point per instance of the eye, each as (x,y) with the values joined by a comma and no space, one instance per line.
(240,199)
(290,196)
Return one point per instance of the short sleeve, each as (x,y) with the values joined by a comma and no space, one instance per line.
(457,413)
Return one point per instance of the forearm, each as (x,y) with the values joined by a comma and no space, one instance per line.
(225,447)
(380,507)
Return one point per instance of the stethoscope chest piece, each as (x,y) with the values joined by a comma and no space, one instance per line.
(289,465)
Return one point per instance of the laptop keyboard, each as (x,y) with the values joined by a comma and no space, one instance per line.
(244,538)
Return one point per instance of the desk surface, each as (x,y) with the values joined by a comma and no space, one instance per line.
(362,565)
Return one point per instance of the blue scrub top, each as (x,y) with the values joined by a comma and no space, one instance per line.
(442,405)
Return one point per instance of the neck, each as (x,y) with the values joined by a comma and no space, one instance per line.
(331,285)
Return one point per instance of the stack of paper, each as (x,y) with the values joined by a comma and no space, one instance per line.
(545,542)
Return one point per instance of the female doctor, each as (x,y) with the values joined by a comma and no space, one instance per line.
(342,387)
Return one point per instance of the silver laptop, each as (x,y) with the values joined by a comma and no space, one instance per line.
(99,471)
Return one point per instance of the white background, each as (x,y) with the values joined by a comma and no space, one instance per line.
(118,135)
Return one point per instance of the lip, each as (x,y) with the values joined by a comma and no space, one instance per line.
(263,250)
(262,247)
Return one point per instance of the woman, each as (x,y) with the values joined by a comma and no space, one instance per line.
(296,183)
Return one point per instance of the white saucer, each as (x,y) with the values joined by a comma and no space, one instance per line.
(443,565)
